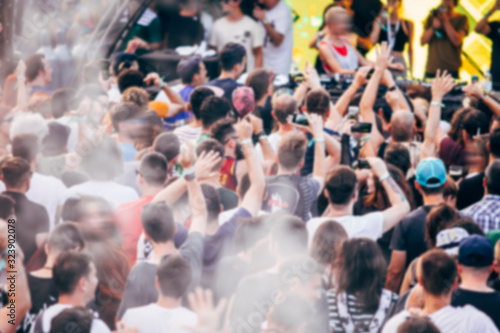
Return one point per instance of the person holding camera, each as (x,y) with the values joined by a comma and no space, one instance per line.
(492,31)
(445,30)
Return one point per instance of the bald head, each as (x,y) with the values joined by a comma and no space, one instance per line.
(402,122)
(283,107)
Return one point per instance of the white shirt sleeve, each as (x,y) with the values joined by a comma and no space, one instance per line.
(213,35)
(283,22)
(98,326)
(257,39)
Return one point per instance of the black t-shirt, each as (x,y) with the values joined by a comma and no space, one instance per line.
(228,85)
(183,31)
(409,234)
(494,35)
(470,191)
(43,294)
(489,303)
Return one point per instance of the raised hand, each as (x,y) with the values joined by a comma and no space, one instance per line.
(442,84)
(312,77)
(205,163)
(383,56)
(187,155)
(244,129)
(360,77)
(473,90)
(201,302)
(153,77)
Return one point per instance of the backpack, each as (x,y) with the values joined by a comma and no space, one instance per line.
(291,193)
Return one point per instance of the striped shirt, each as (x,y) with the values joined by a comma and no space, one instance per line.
(486,213)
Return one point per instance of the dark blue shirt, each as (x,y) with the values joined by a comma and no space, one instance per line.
(307,169)
(228,85)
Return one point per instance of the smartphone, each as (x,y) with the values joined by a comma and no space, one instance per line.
(363,164)
(352,112)
(300,119)
(456,172)
(297,77)
(370,73)
(361,128)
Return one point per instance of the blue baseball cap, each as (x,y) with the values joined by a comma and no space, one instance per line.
(475,251)
(431,173)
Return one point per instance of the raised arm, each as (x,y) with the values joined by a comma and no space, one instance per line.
(376,29)
(252,201)
(177,104)
(432,23)
(399,205)
(482,26)
(345,99)
(319,167)
(456,37)
(411,37)
(258,130)
(473,90)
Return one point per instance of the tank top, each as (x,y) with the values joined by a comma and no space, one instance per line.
(346,56)
(400,37)
(228,173)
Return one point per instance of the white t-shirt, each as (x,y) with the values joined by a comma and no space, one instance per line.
(245,32)
(153,318)
(450,319)
(98,326)
(279,58)
(187,133)
(112,192)
(274,139)
(72,123)
(47,191)
(368,226)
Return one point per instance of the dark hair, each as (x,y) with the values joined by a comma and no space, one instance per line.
(259,80)
(494,144)
(492,176)
(188,68)
(69,319)
(439,218)
(340,185)
(15,171)
(153,168)
(68,269)
(130,78)
(212,202)
(25,146)
(212,109)
(476,123)
(439,272)
(197,97)
(318,101)
(62,101)
(290,233)
(6,206)
(104,160)
(65,237)
(359,258)
(123,111)
(34,64)
(222,129)
(291,150)
(174,275)
(327,242)
(399,156)
(431,190)
(168,145)
(158,221)
(469,225)
(211,145)
(282,110)
(250,231)
(418,324)
(231,55)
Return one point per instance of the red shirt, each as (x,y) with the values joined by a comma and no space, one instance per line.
(128,217)
(228,173)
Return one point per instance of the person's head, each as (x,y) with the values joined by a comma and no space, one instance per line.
(224,132)
(158,222)
(103,161)
(26,146)
(341,186)
(243,100)
(71,318)
(123,61)
(302,275)
(338,21)
(402,126)
(74,274)
(492,178)
(136,95)
(121,113)
(16,173)
(212,109)
(65,237)
(318,101)
(327,242)
(477,155)
(29,123)
(359,258)
(291,151)
(130,78)
(450,4)
(288,235)
(38,68)
(197,97)
(92,100)
(468,123)
(494,144)
(249,232)
(438,273)
(431,176)
(212,202)
(290,315)
(56,141)
(439,218)
(231,6)
(233,58)
(395,5)
(173,276)
(261,82)
(152,170)
(469,225)
(475,259)
(6,207)
(399,156)
(169,145)
(418,324)
(192,71)
(284,107)
(211,145)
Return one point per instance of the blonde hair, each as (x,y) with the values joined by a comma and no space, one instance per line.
(333,13)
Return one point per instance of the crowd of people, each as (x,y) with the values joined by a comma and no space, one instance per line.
(130,204)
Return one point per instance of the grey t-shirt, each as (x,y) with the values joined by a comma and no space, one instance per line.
(140,289)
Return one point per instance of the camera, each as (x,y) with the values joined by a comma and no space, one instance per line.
(300,119)
(361,128)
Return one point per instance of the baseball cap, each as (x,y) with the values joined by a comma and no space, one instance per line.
(431,173)
(475,251)
(243,100)
(449,240)
(188,67)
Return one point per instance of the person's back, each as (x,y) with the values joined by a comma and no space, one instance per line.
(232,59)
